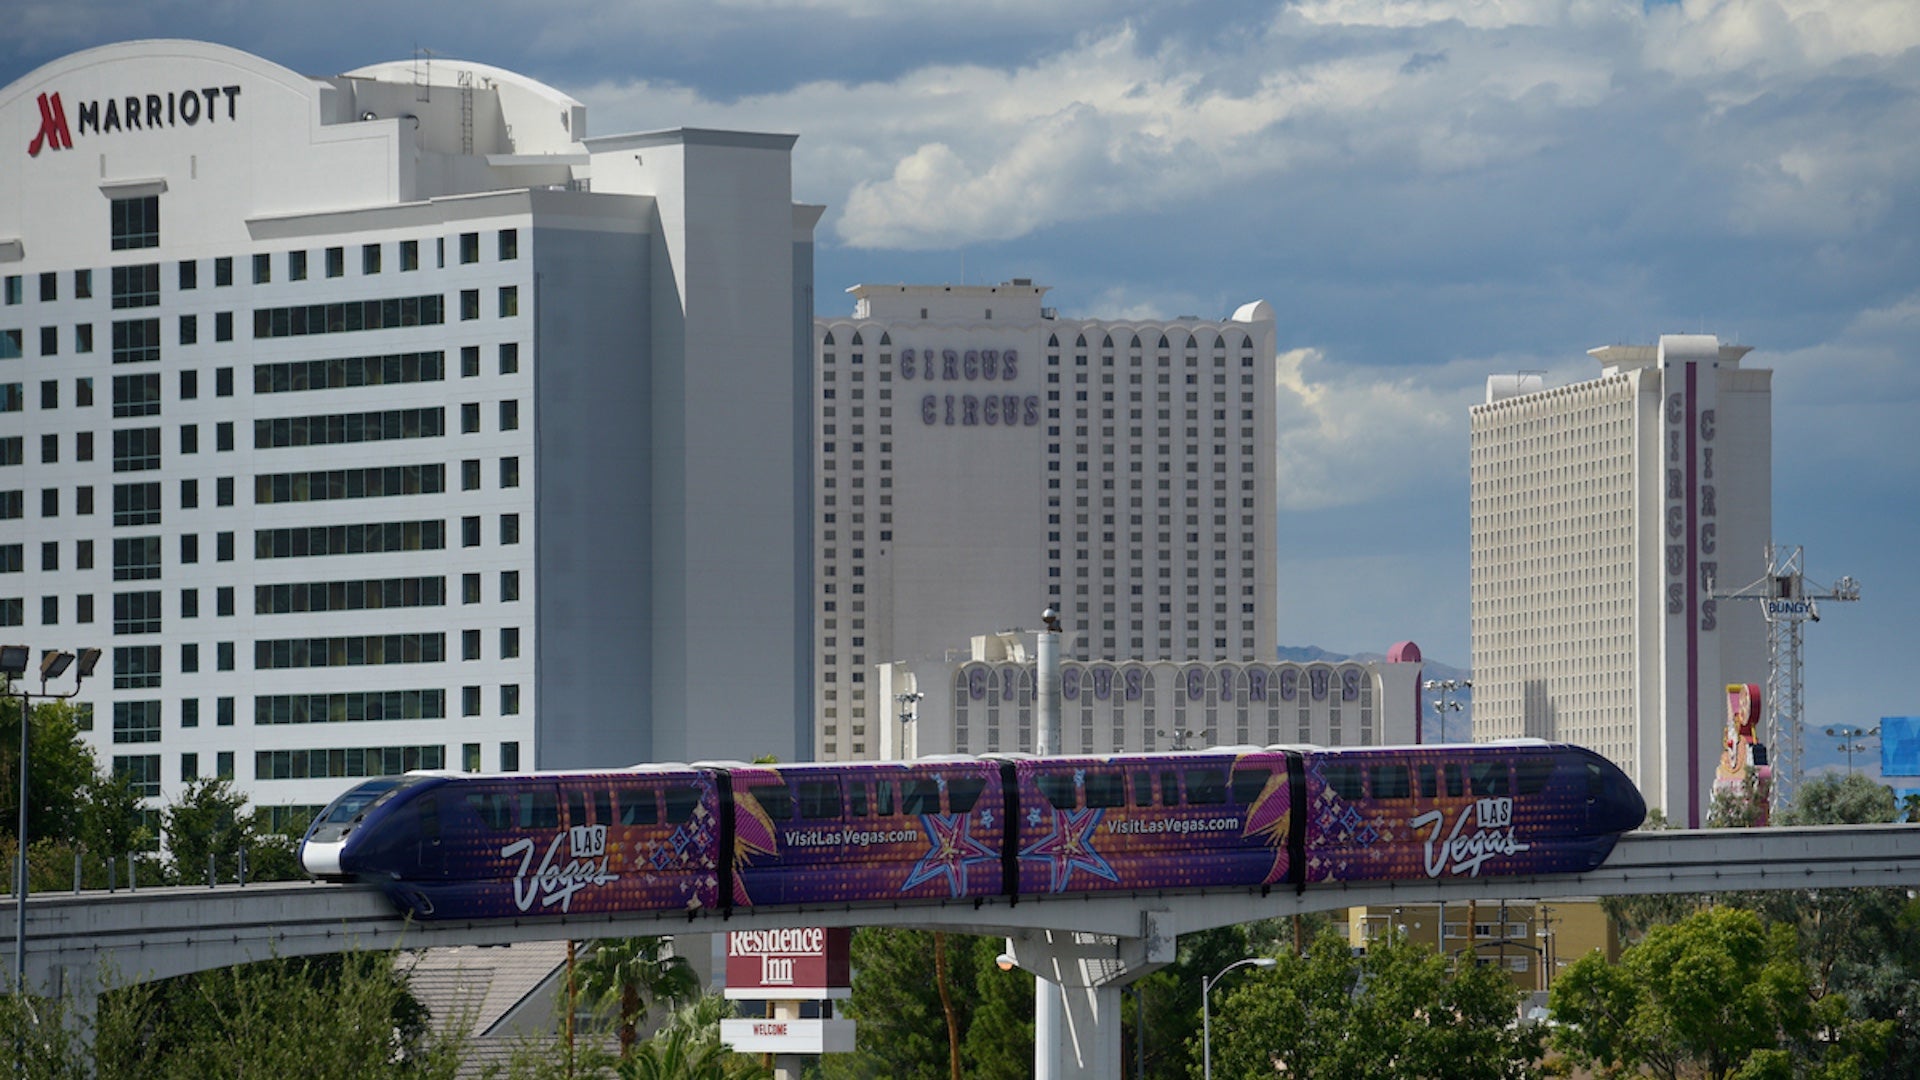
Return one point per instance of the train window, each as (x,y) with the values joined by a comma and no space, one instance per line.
(1248,784)
(603,807)
(1206,787)
(576,808)
(1057,789)
(963,792)
(638,807)
(430,816)
(1143,788)
(883,804)
(1389,781)
(857,801)
(1530,775)
(820,798)
(1439,780)
(681,803)
(1489,777)
(775,799)
(920,795)
(493,808)
(540,810)
(1106,789)
(1344,780)
(1169,788)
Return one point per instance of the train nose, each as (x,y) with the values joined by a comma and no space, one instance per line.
(1621,810)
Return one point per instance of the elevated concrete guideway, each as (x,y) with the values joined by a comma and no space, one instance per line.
(1091,945)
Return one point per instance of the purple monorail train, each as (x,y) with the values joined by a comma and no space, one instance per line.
(726,836)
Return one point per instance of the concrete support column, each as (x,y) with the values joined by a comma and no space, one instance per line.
(1077,1001)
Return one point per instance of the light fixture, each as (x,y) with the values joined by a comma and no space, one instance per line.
(1005,962)
(54,663)
(13,660)
(88,658)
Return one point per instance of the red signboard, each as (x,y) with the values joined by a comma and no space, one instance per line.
(790,963)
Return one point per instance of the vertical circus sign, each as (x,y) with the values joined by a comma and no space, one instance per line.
(1691,531)
(969,366)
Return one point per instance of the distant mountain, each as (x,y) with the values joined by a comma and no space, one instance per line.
(1308,654)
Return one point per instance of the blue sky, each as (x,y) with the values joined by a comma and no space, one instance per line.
(1427,191)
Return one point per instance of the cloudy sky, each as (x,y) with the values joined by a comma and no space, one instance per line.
(1427,192)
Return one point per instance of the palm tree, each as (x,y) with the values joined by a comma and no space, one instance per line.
(624,976)
(688,1047)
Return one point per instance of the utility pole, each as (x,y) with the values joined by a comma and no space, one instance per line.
(1787,601)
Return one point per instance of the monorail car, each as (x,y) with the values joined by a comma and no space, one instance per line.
(657,838)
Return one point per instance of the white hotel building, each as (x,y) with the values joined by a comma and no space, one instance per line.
(980,458)
(388,420)
(1605,515)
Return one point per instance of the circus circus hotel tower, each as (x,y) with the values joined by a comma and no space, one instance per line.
(1606,515)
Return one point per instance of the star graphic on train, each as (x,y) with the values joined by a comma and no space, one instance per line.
(1068,846)
(952,849)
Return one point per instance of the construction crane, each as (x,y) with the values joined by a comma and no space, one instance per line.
(1787,600)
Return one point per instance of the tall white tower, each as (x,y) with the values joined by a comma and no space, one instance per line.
(1602,512)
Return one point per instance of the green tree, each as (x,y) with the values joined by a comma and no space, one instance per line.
(623,977)
(1839,799)
(1399,1011)
(329,1018)
(1719,995)
(903,1028)
(60,769)
(207,821)
(688,1047)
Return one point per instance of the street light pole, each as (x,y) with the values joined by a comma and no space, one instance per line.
(1264,963)
(13,665)
(1852,740)
(1445,704)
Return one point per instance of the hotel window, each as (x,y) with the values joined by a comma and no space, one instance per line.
(509,244)
(469,644)
(296,266)
(509,301)
(409,255)
(509,358)
(83,285)
(470,247)
(83,338)
(509,472)
(135,222)
(262,269)
(469,303)
(336,261)
(509,415)
(370,258)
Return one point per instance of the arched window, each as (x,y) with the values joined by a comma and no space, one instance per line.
(856,337)
(828,340)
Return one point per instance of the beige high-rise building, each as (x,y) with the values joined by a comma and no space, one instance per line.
(1605,515)
(980,458)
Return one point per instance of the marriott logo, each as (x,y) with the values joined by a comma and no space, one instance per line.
(131,112)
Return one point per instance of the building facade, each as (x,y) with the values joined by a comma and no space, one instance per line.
(1606,516)
(983,702)
(388,420)
(980,458)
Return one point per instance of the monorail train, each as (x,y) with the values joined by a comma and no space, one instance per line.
(728,836)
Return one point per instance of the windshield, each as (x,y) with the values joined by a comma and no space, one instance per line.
(355,802)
